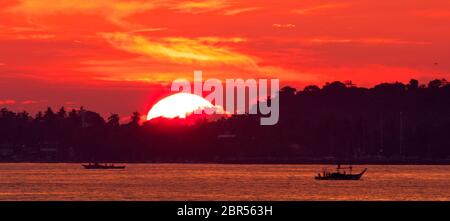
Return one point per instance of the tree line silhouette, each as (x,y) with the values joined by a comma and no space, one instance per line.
(391,122)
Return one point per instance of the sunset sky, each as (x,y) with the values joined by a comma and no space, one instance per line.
(120,55)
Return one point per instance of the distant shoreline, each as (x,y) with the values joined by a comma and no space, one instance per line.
(312,162)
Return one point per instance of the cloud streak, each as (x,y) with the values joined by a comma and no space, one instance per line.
(112,10)
(27,102)
(179,50)
(7,102)
(197,7)
(283,25)
(240,10)
(318,8)
(365,41)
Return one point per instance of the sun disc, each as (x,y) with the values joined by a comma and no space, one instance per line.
(178,105)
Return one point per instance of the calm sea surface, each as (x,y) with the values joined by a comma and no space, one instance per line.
(30,181)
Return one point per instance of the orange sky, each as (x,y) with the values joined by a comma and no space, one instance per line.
(119,55)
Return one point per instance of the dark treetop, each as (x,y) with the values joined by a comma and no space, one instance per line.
(389,123)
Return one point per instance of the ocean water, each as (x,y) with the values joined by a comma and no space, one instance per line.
(41,181)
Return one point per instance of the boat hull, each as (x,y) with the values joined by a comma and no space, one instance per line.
(102,167)
(340,176)
(347,177)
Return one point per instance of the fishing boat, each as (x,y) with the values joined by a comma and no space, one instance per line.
(102,166)
(341,173)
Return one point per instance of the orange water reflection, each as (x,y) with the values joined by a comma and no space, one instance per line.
(218,182)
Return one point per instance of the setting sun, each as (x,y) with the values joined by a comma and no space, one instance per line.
(262,108)
(178,105)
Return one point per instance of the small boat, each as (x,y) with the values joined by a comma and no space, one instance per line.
(340,174)
(101,166)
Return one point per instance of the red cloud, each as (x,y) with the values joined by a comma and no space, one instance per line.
(7,102)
